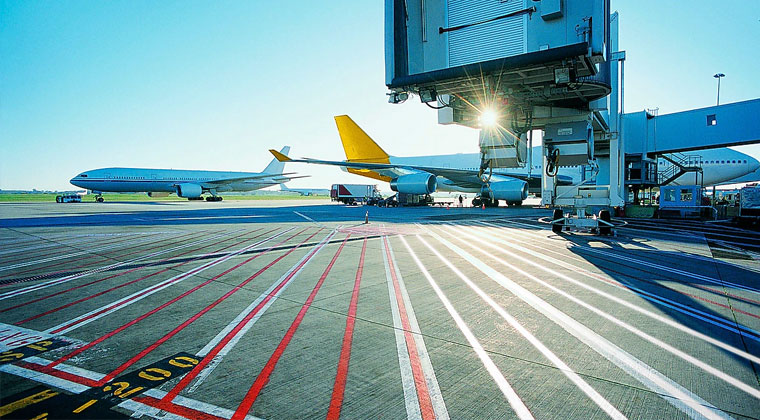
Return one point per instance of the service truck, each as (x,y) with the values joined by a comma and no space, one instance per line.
(749,205)
(351,194)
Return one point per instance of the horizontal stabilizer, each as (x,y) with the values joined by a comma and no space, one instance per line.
(279,156)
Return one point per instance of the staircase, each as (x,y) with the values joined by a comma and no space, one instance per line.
(680,164)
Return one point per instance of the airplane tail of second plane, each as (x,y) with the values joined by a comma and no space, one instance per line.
(275,166)
(359,147)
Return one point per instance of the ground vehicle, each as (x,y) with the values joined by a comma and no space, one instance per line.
(68,198)
(351,194)
(749,205)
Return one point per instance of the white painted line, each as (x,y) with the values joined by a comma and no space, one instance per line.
(599,400)
(203,375)
(411,402)
(132,405)
(66,279)
(678,396)
(506,389)
(75,254)
(617,300)
(678,353)
(12,336)
(112,307)
(436,398)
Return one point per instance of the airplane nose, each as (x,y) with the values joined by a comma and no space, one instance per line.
(753,164)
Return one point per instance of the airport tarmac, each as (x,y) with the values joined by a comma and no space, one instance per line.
(286,309)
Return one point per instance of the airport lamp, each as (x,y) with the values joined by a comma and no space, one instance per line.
(488,118)
(719,76)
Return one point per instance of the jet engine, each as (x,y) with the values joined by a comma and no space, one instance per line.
(511,190)
(189,190)
(419,183)
(154,194)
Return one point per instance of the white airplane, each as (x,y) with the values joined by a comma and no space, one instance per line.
(305,191)
(189,184)
(461,172)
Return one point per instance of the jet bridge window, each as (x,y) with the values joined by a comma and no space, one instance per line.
(686,195)
(670,195)
(711,120)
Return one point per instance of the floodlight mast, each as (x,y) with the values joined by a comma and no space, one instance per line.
(718,76)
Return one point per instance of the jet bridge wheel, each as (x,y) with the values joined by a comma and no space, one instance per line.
(557,227)
(604,215)
(99,199)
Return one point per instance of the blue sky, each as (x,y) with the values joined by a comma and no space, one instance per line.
(214,84)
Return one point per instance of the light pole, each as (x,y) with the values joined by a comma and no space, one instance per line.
(719,76)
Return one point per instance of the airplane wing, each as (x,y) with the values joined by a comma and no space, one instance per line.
(275,177)
(467,178)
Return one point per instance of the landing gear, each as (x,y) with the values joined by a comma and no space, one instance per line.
(515,203)
(604,218)
(484,201)
(214,198)
(557,224)
(99,199)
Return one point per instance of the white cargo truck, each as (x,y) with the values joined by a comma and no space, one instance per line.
(749,205)
(351,194)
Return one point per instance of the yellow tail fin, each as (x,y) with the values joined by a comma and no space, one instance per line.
(359,147)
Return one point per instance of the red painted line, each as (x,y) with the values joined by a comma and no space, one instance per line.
(138,279)
(113,276)
(266,372)
(141,317)
(185,381)
(336,402)
(59,373)
(86,257)
(426,406)
(654,283)
(64,248)
(177,409)
(170,407)
(195,317)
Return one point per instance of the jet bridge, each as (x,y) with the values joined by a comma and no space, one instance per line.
(511,67)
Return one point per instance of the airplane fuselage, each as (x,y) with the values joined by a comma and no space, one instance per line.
(718,166)
(164,180)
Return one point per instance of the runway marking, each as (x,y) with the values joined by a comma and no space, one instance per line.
(69,244)
(86,298)
(683,273)
(109,308)
(678,396)
(617,300)
(148,403)
(58,257)
(311,220)
(66,247)
(208,307)
(678,353)
(162,306)
(339,388)
(49,283)
(31,349)
(27,302)
(263,378)
(416,369)
(590,392)
(97,401)
(214,352)
(506,389)
(722,293)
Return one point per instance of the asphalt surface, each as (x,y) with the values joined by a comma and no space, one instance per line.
(285,310)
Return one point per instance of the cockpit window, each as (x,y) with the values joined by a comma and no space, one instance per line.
(83,175)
